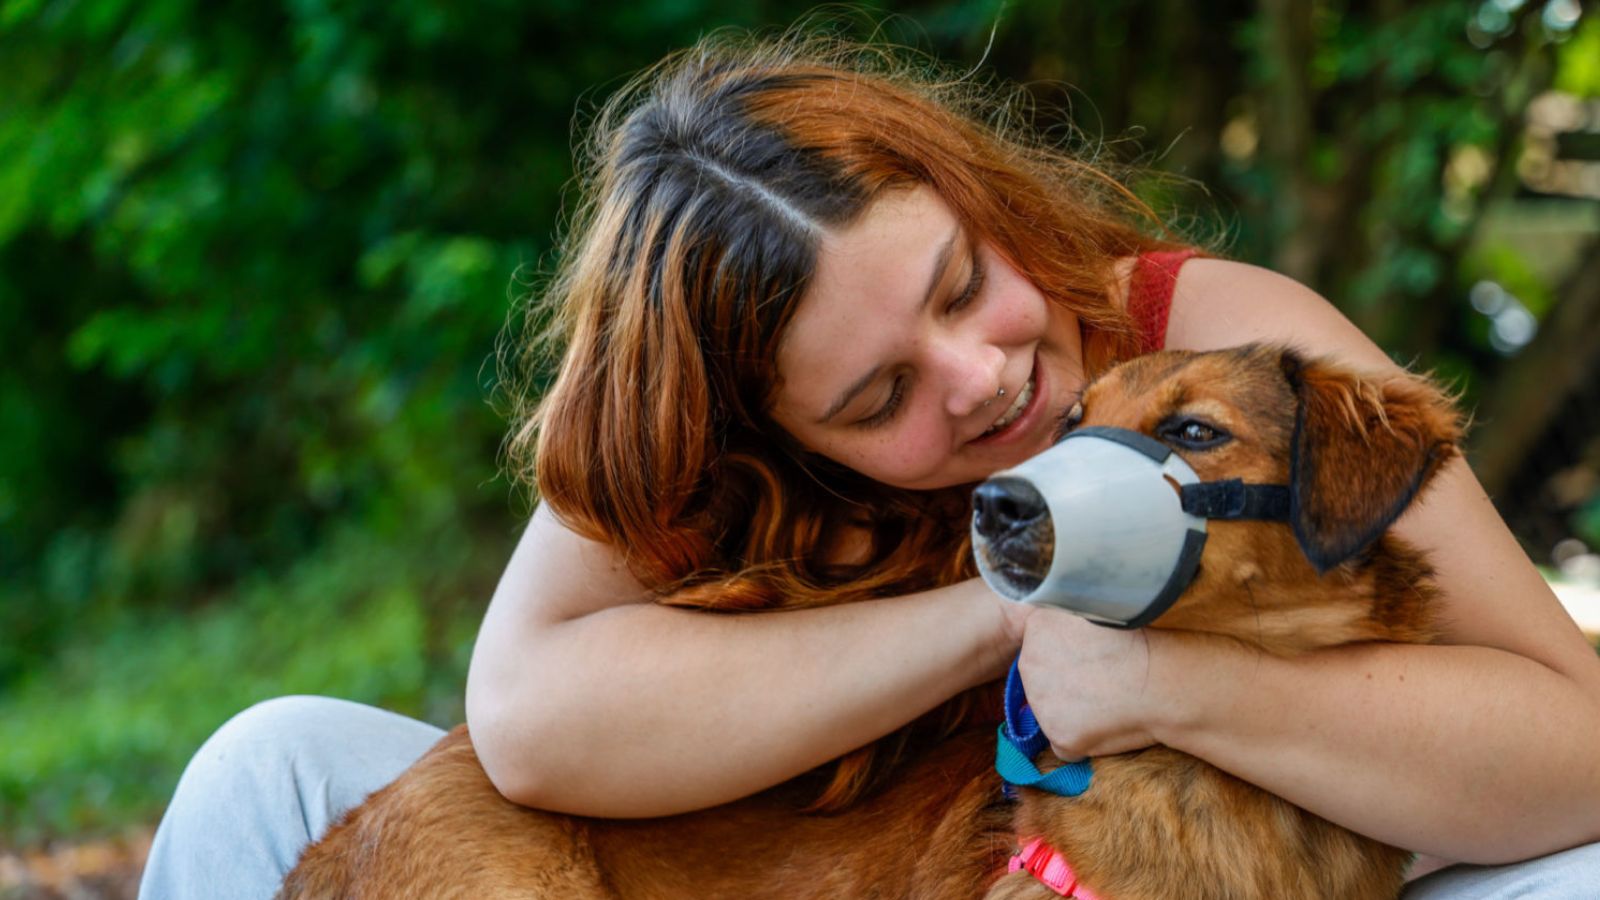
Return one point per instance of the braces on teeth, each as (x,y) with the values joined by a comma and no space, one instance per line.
(1023,396)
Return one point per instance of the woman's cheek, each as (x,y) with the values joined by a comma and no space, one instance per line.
(916,460)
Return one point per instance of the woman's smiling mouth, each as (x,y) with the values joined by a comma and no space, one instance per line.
(1012,414)
(1022,412)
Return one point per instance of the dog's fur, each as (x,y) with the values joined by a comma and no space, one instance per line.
(1155,824)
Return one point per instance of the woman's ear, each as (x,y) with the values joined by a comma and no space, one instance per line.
(1362,450)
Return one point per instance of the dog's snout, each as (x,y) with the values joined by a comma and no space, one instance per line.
(1004,506)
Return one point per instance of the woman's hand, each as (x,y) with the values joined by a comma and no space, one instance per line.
(1012,622)
(1089,686)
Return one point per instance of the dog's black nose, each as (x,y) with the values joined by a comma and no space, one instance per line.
(1002,506)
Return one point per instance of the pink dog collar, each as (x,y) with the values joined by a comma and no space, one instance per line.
(1051,869)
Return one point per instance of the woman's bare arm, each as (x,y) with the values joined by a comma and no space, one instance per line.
(584,697)
(1466,753)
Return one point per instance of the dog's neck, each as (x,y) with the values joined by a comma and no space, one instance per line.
(1286,610)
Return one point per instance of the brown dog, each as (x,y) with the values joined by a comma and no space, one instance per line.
(1154,824)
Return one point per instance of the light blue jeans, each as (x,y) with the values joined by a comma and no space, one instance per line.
(278,774)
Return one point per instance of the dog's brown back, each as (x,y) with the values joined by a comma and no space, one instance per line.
(441,830)
(1155,824)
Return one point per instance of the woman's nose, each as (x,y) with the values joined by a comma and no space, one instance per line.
(973,373)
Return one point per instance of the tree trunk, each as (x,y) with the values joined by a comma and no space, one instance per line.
(1518,409)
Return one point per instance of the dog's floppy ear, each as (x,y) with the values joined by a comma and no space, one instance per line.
(1362,450)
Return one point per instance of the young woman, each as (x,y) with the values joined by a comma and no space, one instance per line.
(809,299)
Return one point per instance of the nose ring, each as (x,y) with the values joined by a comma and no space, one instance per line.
(1001,393)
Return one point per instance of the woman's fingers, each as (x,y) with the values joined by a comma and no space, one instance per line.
(1087,684)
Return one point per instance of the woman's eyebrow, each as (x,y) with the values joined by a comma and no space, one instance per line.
(941,262)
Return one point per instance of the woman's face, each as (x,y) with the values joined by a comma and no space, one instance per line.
(895,358)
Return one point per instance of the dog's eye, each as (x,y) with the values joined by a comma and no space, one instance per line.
(1192,434)
(1070,420)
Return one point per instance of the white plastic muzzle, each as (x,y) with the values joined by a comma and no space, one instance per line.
(1124,547)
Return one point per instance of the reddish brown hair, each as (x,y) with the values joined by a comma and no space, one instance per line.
(706,186)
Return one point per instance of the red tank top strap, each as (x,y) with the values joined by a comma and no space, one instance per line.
(1150,294)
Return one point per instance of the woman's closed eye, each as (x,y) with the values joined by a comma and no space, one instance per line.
(897,394)
(970,291)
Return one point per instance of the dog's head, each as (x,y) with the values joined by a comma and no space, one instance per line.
(1352,451)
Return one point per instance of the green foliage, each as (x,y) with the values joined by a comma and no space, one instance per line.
(1578,66)
(255,259)
(96,740)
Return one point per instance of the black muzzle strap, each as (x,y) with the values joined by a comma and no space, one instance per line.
(1233,499)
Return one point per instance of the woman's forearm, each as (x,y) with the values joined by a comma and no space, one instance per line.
(645,710)
(1468,753)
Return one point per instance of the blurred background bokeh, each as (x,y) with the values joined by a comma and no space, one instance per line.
(255,259)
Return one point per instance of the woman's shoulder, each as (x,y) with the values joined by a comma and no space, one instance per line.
(1223,303)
